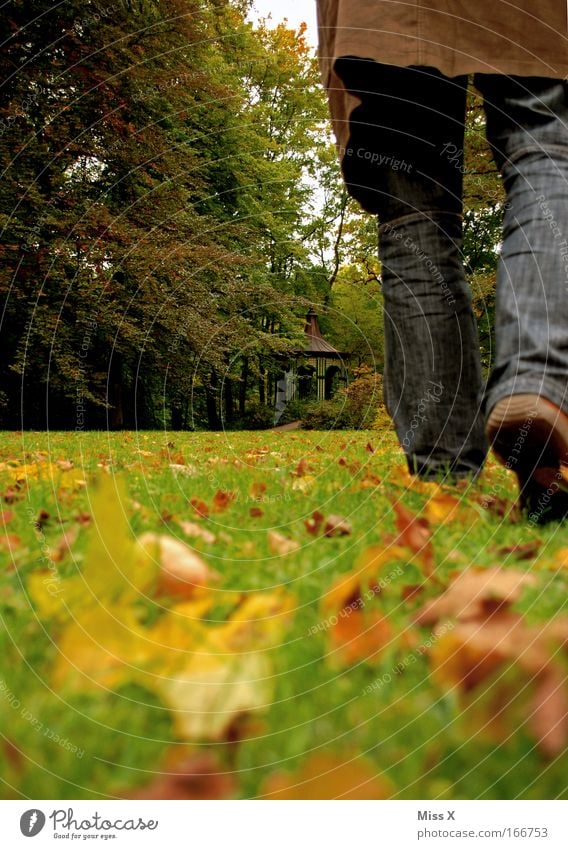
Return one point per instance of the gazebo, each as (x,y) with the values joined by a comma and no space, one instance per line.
(316,372)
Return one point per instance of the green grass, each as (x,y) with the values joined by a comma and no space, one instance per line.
(409,729)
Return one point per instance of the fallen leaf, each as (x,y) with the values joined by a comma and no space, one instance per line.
(222,500)
(327,776)
(257,490)
(476,593)
(211,690)
(522,551)
(182,570)
(356,638)
(197,776)
(336,526)
(200,507)
(63,545)
(314,523)
(413,531)
(279,544)
(192,529)
(256,512)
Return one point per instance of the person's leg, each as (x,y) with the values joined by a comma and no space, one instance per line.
(527,397)
(527,127)
(398,166)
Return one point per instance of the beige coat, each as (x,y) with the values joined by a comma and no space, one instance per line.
(521,37)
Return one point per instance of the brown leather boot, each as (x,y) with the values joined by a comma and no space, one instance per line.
(529,435)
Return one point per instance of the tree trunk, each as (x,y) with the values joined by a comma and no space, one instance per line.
(211,396)
(243,387)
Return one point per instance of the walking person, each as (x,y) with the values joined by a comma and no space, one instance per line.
(396,76)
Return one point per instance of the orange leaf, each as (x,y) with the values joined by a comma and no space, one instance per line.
(414,532)
(356,637)
(222,500)
(326,776)
(200,507)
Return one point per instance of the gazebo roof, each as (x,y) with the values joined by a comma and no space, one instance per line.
(315,344)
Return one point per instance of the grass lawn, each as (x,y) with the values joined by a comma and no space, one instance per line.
(305,653)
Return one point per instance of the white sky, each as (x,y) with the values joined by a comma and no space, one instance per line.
(295,10)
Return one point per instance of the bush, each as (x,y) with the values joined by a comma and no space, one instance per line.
(293,411)
(362,398)
(257,417)
(325,415)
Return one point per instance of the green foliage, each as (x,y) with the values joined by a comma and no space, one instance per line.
(325,415)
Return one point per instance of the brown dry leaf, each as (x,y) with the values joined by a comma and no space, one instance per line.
(222,500)
(200,507)
(496,665)
(313,524)
(410,592)
(336,526)
(197,776)
(301,469)
(414,532)
(279,544)
(257,489)
(369,448)
(370,481)
(256,512)
(6,516)
(522,551)
(501,507)
(327,776)
(548,720)
(356,638)
(182,570)
(63,544)
(13,755)
(192,529)
(476,593)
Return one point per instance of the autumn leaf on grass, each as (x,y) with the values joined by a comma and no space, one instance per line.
(328,776)
(279,544)
(476,593)
(414,532)
(222,500)
(507,675)
(207,694)
(198,775)
(352,586)
(356,637)
(192,529)
(115,568)
(332,526)
(182,570)
(522,550)
(443,508)
(200,507)
(257,623)
(102,649)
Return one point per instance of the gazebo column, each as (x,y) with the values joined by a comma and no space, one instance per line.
(321,378)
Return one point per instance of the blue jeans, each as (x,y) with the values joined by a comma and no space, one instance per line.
(404,163)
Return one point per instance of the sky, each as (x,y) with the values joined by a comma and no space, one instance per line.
(295,10)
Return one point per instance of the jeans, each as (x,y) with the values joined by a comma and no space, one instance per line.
(398,165)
